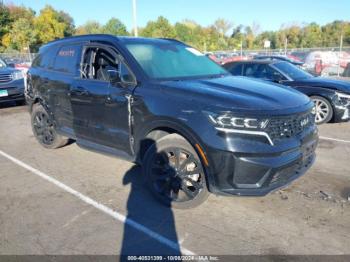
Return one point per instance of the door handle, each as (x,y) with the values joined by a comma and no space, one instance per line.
(80,91)
(109,100)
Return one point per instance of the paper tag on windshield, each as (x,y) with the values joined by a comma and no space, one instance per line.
(194,51)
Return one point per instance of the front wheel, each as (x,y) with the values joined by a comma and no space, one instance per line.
(44,130)
(174,172)
(323,110)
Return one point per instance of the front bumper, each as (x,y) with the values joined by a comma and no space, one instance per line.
(254,169)
(15,90)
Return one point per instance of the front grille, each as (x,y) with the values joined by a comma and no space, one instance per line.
(4,78)
(289,126)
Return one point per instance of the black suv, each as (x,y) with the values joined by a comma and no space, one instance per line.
(158,102)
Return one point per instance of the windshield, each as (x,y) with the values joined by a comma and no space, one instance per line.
(173,61)
(292,71)
(2,63)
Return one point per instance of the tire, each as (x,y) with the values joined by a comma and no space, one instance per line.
(174,173)
(323,110)
(21,103)
(44,130)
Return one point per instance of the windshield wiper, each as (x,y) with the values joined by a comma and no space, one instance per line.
(218,75)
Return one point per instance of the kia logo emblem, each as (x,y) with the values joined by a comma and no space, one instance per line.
(304,122)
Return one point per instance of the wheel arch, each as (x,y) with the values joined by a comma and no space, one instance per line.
(160,128)
(37,100)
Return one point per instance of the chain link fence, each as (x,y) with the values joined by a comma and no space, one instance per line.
(18,58)
(322,61)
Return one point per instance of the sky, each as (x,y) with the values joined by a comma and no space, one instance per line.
(269,14)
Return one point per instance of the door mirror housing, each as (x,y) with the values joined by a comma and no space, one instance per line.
(277,78)
(123,76)
(114,76)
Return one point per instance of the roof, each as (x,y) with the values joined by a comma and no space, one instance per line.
(106,37)
(258,61)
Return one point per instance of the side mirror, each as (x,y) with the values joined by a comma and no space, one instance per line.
(277,79)
(127,79)
(114,76)
(122,74)
(11,65)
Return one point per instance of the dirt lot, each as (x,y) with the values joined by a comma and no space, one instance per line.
(39,216)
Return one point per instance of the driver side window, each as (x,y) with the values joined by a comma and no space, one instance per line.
(271,74)
(103,65)
(99,64)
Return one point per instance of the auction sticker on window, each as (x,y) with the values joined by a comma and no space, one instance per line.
(194,51)
(3,93)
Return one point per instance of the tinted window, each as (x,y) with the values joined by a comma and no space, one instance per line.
(262,71)
(236,69)
(292,71)
(67,59)
(269,73)
(44,60)
(36,61)
(251,70)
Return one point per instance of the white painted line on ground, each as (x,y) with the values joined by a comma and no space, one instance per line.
(334,139)
(118,216)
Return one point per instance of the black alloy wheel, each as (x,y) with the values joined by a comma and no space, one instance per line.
(44,129)
(174,172)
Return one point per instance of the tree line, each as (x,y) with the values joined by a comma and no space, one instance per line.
(21,29)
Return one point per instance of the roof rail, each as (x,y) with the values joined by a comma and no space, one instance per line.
(82,37)
(171,39)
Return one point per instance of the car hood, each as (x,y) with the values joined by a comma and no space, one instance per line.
(7,70)
(239,93)
(339,85)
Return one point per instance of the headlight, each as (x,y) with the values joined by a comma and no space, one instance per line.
(342,95)
(240,125)
(229,121)
(343,98)
(17,75)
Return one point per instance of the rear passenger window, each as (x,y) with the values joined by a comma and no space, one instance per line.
(43,60)
(37,59)
(67,59)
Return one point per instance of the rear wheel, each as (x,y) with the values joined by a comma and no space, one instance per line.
(174,172)
(323,110)
(44,130)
